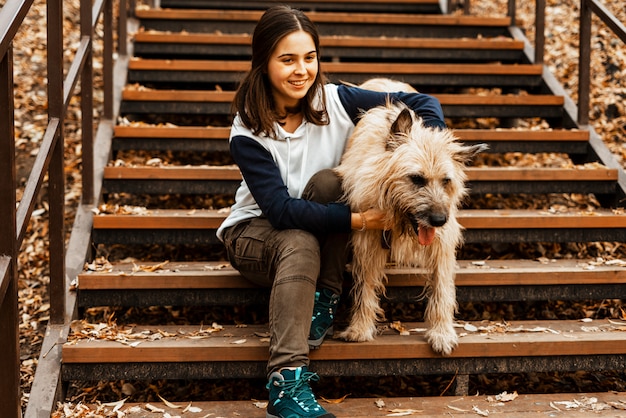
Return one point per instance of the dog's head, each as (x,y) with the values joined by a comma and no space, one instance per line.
(425,179)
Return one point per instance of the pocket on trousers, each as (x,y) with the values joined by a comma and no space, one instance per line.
(247,250)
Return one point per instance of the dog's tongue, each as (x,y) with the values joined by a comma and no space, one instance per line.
(426,235)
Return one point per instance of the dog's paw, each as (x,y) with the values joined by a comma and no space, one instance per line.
(442,341)
(358,334)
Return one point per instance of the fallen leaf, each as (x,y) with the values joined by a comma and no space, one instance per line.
(168,404)
(403,412)
(153,408)
(335,401)
(482,413)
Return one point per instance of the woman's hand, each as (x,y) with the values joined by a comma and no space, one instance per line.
(368,220)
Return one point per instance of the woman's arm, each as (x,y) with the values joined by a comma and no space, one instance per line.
(356,100)
(270,192)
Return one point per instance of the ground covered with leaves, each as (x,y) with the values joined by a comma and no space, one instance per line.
(608,117)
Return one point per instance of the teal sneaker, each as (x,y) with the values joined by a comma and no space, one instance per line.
(291,395)
(323,315)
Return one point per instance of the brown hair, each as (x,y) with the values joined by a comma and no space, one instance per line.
(254,100)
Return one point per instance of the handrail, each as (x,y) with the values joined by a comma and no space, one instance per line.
(587,9)
(11,16)
(48,163)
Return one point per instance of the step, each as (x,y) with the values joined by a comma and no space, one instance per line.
(330,23)
(172,138)
(169,179)
(205,45)
(216,282)
(504,405)
(389,6)
(148,71)
(203,102)
(94,352)
(189,138)
(140,225)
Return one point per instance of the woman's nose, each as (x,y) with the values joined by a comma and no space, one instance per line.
(300,67)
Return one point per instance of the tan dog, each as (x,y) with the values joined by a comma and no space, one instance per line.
(416,175)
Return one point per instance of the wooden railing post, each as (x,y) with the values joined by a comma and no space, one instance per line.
(56,171)
(540,30)
(86,104)
(512,11)
(122,28)
(9,332)
(584,58)
(108,63)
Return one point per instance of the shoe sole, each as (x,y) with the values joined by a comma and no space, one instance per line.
(315,344)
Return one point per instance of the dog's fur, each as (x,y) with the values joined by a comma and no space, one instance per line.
(416,175)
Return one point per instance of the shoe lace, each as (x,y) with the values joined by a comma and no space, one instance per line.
(299,389)
(325,305)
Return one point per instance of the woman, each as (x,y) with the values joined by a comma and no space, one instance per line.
(287,229)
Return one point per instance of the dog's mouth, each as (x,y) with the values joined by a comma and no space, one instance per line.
(427,231)
(426,234)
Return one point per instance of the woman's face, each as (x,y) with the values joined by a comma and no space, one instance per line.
(292,69)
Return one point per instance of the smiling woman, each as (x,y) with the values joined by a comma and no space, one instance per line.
(288,229)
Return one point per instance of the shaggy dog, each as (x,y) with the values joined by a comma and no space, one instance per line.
(416,175)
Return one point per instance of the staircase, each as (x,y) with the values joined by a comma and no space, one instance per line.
(170,180)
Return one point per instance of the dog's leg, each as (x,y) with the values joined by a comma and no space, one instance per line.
(442,304)
(369,278)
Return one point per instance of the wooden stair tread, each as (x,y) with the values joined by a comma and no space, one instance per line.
(132,94)
(395,6)
(474,173)
(173,173)
(336,67)
(426,407)
(253,16)
(234,343)
(220,275)
(353,1)
(295,2)
(338,41)
(191,132)
(186,132)
(470,219)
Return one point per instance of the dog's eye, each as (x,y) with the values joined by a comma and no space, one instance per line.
(446,181)
(418,180)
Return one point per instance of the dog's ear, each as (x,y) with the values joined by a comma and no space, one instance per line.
(400,130)
(466,154)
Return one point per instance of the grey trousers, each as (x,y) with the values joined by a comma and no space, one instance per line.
(294,263)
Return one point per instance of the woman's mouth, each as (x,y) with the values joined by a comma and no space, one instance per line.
(298,83)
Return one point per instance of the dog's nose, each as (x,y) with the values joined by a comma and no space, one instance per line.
(437,219)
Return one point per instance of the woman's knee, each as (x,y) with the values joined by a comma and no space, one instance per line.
(323,187)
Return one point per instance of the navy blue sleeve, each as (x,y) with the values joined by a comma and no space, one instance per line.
(270,192)
(356,101)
